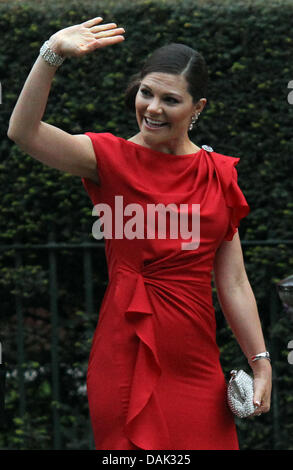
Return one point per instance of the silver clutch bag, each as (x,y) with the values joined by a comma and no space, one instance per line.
(240,393)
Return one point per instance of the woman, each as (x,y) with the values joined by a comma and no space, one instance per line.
(154,376)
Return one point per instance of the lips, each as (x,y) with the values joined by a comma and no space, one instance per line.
(153,123)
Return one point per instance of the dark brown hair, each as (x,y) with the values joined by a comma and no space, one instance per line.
(176,59)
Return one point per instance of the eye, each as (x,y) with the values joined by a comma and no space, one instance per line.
(171,100)
(145,92)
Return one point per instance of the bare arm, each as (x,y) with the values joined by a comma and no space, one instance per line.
(240,309)
(50,145)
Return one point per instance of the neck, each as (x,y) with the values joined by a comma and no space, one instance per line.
(174,147)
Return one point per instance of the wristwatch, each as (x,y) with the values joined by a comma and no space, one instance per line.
(51,57)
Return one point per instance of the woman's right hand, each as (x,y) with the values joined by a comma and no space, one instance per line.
(81,39)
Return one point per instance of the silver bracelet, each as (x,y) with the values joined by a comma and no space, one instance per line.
(50,56)
(263,355)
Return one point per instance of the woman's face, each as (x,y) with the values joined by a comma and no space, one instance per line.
(164,109)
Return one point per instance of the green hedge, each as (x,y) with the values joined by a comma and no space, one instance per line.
(248,49)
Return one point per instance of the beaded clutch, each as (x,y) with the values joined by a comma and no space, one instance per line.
(240,394)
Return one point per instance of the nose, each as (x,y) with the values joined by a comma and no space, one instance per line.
(154,106)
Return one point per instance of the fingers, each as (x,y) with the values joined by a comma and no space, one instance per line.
(258,411)
(261,403)
(108,41)
(92,22)
(104,35)
(257,398)
(100,43)
(262,390)
(92,25)
(103,27)
(109,33)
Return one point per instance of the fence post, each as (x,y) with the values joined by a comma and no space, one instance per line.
(88,278)
(274,356)
(2,388)
(20,344)
(54,340)
(89,304)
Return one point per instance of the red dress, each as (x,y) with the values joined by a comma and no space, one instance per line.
(154,379)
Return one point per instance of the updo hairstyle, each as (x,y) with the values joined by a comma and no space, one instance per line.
(176,59)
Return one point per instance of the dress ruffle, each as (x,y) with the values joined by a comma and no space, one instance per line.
(145,424)
(234,197)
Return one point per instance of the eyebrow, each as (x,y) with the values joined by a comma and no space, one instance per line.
(166,94)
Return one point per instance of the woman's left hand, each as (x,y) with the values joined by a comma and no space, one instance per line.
(262,374)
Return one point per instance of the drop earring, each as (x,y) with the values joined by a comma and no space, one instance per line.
(193,121)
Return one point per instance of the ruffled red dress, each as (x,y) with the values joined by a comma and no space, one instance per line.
(154,378)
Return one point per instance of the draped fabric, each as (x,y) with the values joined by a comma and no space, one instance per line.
(154,377)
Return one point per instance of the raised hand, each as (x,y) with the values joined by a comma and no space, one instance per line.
(86,37)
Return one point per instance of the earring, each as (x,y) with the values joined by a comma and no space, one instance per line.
(193,121)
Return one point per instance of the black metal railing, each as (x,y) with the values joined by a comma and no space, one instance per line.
(52,248)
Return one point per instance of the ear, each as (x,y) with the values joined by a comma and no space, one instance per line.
(199,106)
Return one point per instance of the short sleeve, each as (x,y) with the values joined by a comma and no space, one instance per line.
(106,148)
(236,203)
